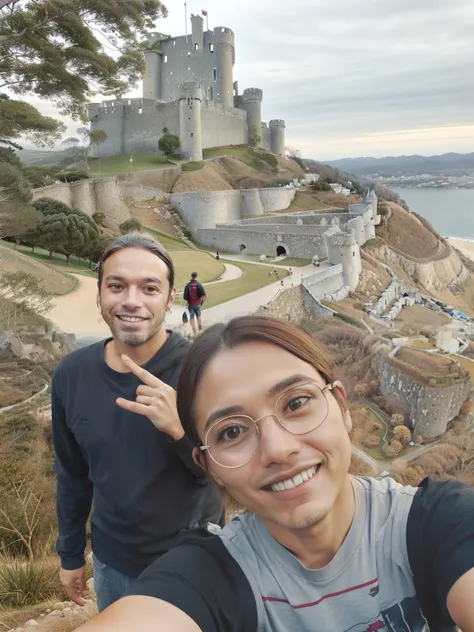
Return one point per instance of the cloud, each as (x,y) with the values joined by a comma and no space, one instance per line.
(354,77)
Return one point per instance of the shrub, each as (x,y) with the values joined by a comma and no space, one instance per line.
(382,210)
(192,166)
(388,451)
(130,226)
(72,176)
(396,446)
(26,583)
(371,441)
(98,218)
(402,434)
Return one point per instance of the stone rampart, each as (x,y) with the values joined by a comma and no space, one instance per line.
(239,240)
(325,282)
(139,192)
(89,197)
(204,210)
(58,192)
(313,305)
(430,408)
(288,305)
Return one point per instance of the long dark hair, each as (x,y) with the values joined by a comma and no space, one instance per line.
(229,336)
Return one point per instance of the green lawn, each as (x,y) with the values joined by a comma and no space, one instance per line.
(304,202)
(187,261)
(112,165)
(239,151)
(253,278)
(192,165)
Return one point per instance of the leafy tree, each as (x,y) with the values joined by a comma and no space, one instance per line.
(320,185)
(130,226)
(66,230)
(402,434)
(360,390)
(58,49)
(396,446)
(168,143)
(388,451)
(397,419)
(21,295)
(83,144)
(18,118)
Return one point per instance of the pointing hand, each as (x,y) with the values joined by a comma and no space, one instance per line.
(155,399)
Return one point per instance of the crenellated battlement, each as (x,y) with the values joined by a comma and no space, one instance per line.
(203,60)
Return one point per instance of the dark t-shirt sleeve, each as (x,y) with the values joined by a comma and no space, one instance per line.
(440,541)
(203,580)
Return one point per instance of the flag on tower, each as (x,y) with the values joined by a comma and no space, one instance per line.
(204,12)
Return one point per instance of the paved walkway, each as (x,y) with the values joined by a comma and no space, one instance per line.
(78,313)
(246,304)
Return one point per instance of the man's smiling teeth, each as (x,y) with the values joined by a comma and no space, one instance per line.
(131,319)
(299,479)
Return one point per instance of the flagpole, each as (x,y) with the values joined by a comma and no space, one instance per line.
(186,18)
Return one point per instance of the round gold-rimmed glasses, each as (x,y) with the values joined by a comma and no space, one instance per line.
(233,441)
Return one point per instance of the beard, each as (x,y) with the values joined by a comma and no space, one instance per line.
(131,338)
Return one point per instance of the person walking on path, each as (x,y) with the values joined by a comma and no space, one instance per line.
(195,295)
(117,435)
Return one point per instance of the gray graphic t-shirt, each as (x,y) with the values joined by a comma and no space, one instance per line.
(367,587)
(405,550)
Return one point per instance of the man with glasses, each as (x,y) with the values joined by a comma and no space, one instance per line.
(319,550)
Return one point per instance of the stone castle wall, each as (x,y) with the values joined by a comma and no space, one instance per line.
(137,127)
(89,197)
(302,246)
(324,282)
(205,210)
(429,408)
(288,305)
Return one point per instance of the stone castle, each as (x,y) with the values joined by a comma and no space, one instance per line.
(188,88)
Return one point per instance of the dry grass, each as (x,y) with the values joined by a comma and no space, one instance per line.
(405,233)
(427,362)
(52,280)
(420,317)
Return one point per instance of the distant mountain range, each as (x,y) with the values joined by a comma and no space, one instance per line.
(44,158)
(406,165)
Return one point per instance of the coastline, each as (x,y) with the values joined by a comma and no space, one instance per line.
(466,246)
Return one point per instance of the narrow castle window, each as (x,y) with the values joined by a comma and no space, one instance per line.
(140,110)
(189,54)
(196,46)
(215,74)
(166,59)
(192,134)
(211,48)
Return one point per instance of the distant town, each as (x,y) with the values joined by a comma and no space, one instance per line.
(424,180)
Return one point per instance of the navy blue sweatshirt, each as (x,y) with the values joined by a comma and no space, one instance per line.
(148,495)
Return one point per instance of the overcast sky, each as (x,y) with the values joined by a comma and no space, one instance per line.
(353,77)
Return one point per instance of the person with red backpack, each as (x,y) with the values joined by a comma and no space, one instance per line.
(195,295)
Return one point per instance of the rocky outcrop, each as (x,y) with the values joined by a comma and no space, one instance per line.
(38,344)
(433,275)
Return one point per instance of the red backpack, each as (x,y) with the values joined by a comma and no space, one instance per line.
(193,296)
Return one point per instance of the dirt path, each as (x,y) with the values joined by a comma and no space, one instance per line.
(77,313)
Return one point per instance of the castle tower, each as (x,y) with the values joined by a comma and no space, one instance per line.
(154,61)
(277,136)
(197,32)
(224,56)
(251,100)
(190,99)
(343,248)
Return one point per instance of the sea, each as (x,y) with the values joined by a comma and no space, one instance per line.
(449,211)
